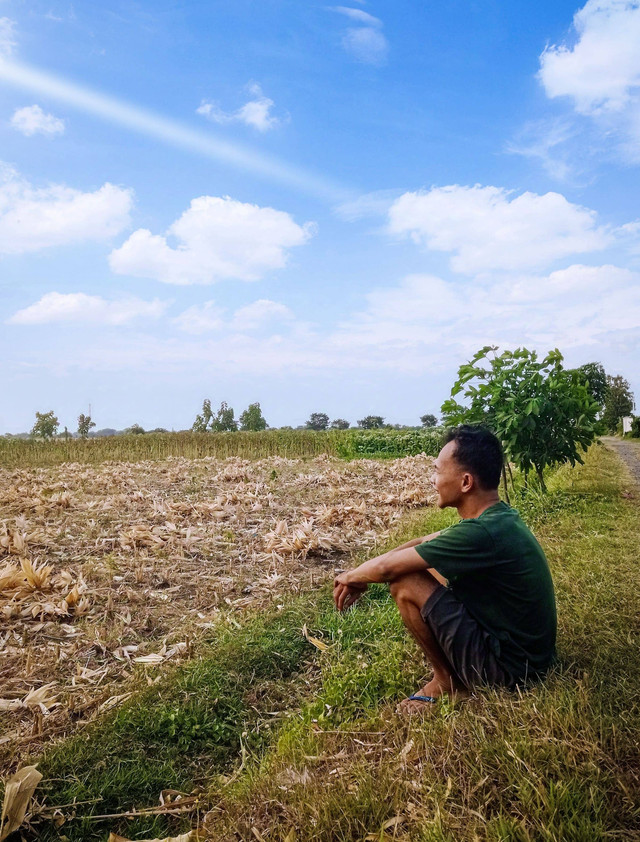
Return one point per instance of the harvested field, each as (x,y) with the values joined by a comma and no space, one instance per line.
(109,571)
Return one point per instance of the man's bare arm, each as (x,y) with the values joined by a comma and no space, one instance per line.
(388,567)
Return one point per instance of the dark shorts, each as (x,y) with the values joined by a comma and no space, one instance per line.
(465,643)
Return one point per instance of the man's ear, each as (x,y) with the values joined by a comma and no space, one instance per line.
(468,482)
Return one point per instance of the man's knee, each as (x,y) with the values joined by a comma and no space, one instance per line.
(414,587)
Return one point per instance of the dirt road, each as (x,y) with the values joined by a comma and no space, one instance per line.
(628,451)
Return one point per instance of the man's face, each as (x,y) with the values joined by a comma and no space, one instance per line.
(449,479)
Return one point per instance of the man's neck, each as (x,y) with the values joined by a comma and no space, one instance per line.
(472,507)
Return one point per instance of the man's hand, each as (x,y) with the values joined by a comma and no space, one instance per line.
(346,593)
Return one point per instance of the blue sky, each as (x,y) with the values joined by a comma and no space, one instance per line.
(319,207)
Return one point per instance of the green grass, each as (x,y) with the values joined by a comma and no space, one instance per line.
(350,444)
(558,763)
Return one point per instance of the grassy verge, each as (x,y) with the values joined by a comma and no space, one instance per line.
(556,763)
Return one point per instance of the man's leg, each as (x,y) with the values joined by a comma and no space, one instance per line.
(410,593)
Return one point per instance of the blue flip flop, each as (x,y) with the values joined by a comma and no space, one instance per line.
(418,698)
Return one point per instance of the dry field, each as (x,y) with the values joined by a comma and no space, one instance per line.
(107,571)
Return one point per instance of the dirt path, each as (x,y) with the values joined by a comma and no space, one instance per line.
(628,451)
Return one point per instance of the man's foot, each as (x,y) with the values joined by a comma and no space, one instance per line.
(425,698)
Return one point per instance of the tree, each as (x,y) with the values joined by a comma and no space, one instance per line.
(429,420)
(252,418)
(339,424)
(594,378)
(84,425)
(224,420)
(371,422)
(618,402)
(134,430)
(202,422)
(542,413)
(46,425)
(317,421)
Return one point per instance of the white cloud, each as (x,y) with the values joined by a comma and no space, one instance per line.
(201,318)
(255,113)
(87,309)
(208,317)
(35,218)
(600,72)
(32,120)
(359,16)
(259,314)
(366,42)
(488,228)
(7,37)
(217,238)
(171,132)
(426,320)
(422,324)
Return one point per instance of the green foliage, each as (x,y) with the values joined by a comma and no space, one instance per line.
(542,413)
(84,425)
(134,430)
(371,422)
(618,402)
(46,425)
(222,421)
(389,443)
(339,424)
(204,419)
(594,378)
(429,420)
(635,427)
(318,421)
(292,444)
(252,419)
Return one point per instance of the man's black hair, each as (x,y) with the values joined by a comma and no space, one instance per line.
(478,451)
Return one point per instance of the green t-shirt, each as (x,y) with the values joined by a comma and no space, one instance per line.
(495,566)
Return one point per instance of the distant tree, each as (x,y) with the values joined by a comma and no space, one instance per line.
(46,425)
(106,431)
(224,420)
(618,402)
(594,378)
(84,425)
(252,418)
(134,430)
(66,435)
(429,420)
(339,424)
(204,419)
(371,422)
(158,430)
(318,421)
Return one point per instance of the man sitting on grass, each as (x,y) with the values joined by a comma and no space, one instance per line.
(477,596)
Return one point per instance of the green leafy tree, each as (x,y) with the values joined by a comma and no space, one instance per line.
(371,422)
(429,420)
(134,430)
(252,418)
(594,378)
(84,425)
(318,421)
(339,424)
(618,403)
(204,419)
(46,425)
(224,420)
(542,413)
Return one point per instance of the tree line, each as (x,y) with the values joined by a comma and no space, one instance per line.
(511,387)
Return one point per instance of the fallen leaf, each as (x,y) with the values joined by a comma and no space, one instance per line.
(314,641)
(184,837)
(17,795)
